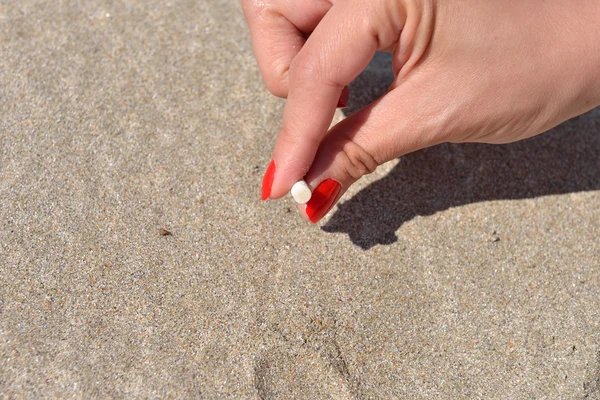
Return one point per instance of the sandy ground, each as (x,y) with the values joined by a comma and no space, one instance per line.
(458,272)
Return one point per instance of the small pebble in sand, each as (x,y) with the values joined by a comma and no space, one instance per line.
(301,192)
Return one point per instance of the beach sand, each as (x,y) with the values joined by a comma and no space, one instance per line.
(136,259)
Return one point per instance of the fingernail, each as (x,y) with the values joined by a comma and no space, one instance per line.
(322,199)
(344,97)
(268,180)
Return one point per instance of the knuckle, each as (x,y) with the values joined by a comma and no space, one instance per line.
(277,91)
(358,162)
(304,69)
(276,84)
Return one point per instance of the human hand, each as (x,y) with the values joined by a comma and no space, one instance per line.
(465,71)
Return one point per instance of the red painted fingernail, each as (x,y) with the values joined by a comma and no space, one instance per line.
(268,180)
(322,199)
(344,97)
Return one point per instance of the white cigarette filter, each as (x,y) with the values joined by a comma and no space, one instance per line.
(301,192)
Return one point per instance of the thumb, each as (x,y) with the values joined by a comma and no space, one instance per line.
(396,124)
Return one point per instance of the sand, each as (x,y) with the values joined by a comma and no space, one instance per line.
(136,259)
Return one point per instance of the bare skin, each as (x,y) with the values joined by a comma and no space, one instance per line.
(466,71)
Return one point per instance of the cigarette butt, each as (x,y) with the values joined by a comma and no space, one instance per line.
(301,192)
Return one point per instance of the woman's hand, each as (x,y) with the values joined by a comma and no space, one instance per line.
(466,71)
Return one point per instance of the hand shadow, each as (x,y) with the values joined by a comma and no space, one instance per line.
(563,160)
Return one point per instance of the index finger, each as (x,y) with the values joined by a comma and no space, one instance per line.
(339,49)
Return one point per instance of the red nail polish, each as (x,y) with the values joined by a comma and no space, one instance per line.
(268,180)
(344,97)
(322,199)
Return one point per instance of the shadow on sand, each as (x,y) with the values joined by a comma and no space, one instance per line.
(563,160)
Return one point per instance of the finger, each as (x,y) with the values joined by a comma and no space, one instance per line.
(337,51)
(401,122)
(278,30)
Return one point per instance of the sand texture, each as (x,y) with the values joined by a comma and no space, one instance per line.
(137,261)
